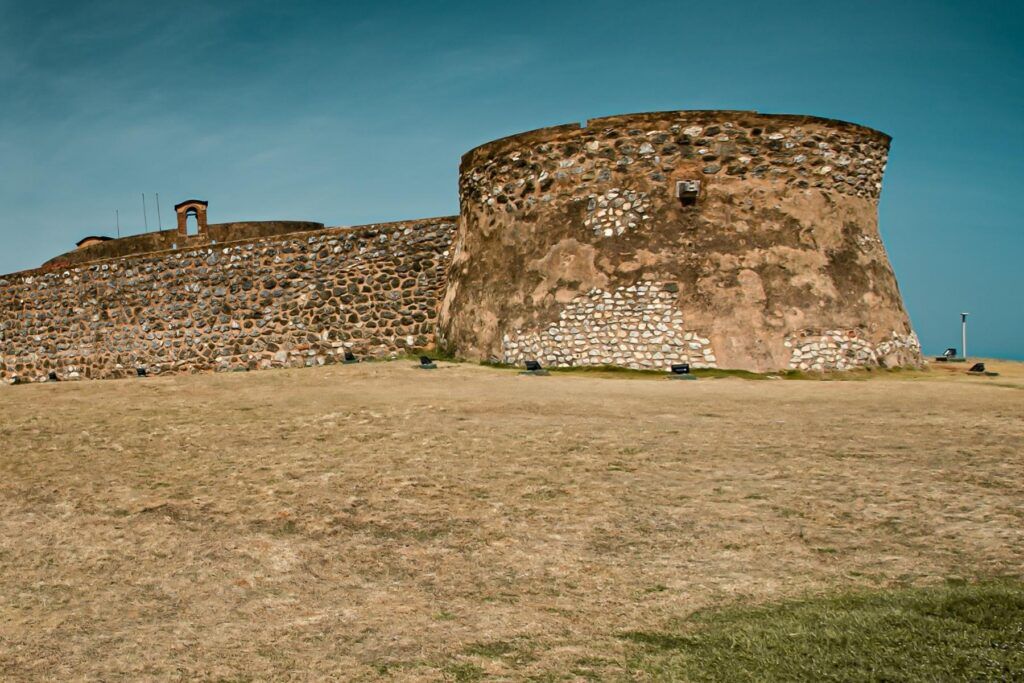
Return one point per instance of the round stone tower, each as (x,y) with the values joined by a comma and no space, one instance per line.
(726,239)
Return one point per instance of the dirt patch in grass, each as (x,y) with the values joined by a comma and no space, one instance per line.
(378,520)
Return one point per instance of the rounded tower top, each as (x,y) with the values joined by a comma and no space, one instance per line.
(769,123)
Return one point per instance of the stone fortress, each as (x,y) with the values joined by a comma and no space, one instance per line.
(726,239)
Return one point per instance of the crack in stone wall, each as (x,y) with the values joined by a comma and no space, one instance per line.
(637,326)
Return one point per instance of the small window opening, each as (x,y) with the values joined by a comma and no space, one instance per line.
(687,191)
(192,223)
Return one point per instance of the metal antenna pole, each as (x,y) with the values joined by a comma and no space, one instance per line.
(145,219)
(117,219)
(963,332)
(159,223)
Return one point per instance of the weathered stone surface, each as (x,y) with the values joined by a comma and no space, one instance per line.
(781,243)
(198,309)
(166,240)
(639,326)
(572,247)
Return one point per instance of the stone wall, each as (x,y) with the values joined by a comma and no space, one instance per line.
(779,246)
(164,240)
(291,300)
(639,326)
(572,247)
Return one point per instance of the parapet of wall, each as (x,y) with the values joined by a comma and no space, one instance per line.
(165,240)
(291,300)
(573,247)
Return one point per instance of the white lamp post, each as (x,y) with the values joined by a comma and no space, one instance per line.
(963,333)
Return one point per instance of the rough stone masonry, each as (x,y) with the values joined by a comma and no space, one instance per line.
(720,238)
(298,299)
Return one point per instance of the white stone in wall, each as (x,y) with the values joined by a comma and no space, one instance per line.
(620,334)
(612,213)
(846,349)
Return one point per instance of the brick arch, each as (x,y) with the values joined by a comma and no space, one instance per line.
(195,207)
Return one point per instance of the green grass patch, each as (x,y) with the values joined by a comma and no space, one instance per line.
(462,671)
(615,371)
(717,373)
(492,649)
(854,374)
(515,653)
(953,632)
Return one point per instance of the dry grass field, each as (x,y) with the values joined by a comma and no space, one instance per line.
(377,520)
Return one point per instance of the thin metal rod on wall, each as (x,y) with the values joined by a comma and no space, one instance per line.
(159,223)
(145,219)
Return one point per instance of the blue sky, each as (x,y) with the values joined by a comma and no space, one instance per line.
(357,112)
